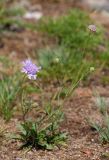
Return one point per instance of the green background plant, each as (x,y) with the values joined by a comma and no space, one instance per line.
(74,45)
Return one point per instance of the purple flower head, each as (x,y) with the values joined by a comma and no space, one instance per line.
(92,28)
(30,69)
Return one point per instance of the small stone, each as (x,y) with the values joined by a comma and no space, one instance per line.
(33,15)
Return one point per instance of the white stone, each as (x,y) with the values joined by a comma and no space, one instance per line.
(33,15)
(98,4)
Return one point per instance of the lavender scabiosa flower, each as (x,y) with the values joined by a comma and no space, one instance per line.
(30,69)
(92,28)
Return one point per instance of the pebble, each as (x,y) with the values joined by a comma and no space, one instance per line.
(36,15)
(96,4)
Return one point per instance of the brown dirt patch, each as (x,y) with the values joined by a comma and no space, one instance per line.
(82,141)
